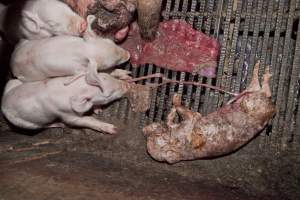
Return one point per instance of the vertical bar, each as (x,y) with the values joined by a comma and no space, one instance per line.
(281,97)
(263,59)
(199,88)
(162,98)
(243,45)
(191,77)
(294,77)
(254,40)
(233,47)
(153,99)
(274,59)
(143,115)
(224,48)
(210,7)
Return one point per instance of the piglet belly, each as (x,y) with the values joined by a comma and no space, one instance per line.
(225,131)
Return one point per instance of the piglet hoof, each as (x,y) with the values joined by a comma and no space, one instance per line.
(177,100)
(111,129)
(98,111)
(121,74)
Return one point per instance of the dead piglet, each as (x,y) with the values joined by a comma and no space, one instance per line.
(49,103)
(37,19)
(216,134)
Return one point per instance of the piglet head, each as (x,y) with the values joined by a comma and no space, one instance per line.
(158,143)
(110,88)
(113,55)
(57,18)
(106,52)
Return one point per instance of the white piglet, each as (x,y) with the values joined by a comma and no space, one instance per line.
(46,104)
(37,19)
(58,56)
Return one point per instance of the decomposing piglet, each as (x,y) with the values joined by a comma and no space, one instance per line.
(37,19)
(216,134)
(35,60)
(49,103)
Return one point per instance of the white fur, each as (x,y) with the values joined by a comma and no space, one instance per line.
(49,103)
(38,19)
(64,56)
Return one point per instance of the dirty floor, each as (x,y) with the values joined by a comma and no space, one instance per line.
(36,168)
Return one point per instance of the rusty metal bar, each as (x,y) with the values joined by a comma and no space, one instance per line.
(280,99)
(198,26)
(208,24)
(234,39)
(263,59)
(293,97)
(223,52)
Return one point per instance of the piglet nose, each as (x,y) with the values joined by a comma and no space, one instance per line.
(82,26)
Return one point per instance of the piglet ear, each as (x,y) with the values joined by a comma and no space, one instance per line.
(80,104)
(89,33)
(92,75)
(31,21)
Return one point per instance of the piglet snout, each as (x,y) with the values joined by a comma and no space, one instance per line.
(126,55)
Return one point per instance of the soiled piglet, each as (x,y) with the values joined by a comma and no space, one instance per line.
(49,103)
(37,19)
(216,134)
(113,16)
(35,60)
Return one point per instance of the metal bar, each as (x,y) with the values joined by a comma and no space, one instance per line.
(171,92)
(233,47)
(223,52)
(208,24)
(243,47)
(198,26)
(153,99)
(254,41)
(143,115)
(263,60)
(191,77)
(290,118)
(274,63)
(281,97)
(162,100)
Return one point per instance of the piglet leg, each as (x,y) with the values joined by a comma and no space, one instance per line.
(265,84)
(171,118)
(56,125)
(92,123)
(183,112)
(97,110)
(254,85)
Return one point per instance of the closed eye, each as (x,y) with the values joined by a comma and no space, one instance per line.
(52,23)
